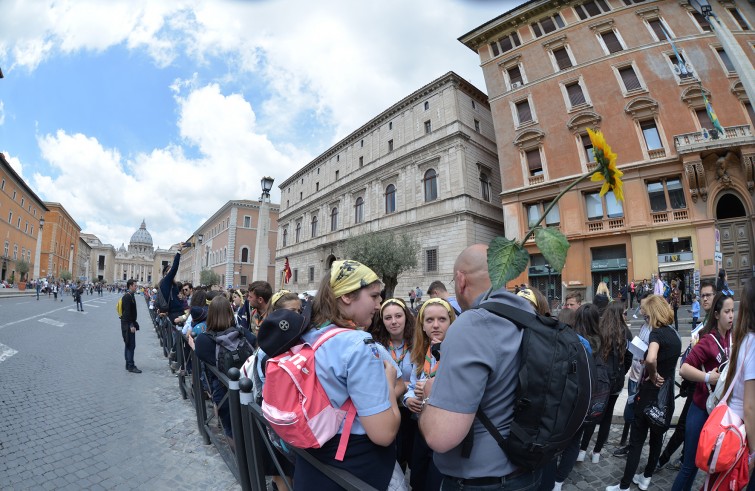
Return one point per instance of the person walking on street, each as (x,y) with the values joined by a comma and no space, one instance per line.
(38,287)
(77,292)
(129,326)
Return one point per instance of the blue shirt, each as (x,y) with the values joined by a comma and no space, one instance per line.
(695,309)
(350,364)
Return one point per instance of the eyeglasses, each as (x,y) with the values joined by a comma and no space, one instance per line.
(186,290)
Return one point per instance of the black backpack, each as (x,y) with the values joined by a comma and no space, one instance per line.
(231,348)
(160,302)
(601,390)
(553,390)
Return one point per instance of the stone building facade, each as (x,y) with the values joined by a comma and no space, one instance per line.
(426,166)
(60,241)
(101,259)
(20,214)
(554,69)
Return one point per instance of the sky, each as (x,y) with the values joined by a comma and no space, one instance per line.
(163,111)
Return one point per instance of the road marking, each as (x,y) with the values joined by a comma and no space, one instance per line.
(19,321)
(52,322)
(6,352)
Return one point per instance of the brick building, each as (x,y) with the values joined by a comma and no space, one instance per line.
(60,240)
(553,69)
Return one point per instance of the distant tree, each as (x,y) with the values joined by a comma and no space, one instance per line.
(208,277)
(23,268)
(387,254)
(65,275)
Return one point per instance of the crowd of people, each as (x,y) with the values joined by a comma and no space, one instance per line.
(414,412)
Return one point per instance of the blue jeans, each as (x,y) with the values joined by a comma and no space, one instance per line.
(528,481)
(696,418)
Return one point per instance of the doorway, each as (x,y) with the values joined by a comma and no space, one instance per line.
(735,230)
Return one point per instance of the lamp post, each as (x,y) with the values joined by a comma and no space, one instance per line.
(734,51)
(261,250)
(549,292)
(38,252)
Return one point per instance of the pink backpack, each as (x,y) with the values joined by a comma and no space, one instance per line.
(295,403)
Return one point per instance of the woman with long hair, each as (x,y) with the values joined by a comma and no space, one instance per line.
(433,320)
(712,350)
(742,400)
(394,329)
(349,366)
(613,352)
(660,365)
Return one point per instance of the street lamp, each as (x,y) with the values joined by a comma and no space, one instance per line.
(549,292)
(38,252)
(261,250)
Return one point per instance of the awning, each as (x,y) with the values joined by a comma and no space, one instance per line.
(677,266)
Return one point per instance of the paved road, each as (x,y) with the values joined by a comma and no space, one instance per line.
(71,417)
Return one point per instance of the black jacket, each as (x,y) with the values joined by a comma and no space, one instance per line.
(128,312)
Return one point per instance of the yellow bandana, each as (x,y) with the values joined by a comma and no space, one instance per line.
(349,276)
(277,296)
(527,293)
(395,301)
(432,301)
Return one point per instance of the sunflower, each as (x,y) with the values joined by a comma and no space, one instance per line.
(607,170)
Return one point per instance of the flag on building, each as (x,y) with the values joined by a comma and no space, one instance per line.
(712,116)
(286,272)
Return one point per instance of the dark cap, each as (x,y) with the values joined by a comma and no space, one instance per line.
(281,330)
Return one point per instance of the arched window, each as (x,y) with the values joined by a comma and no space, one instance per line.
(485,186)
(314,226)
(298,232)
(285,236)
(390,198)
(244,255)
(359,210)
(334,219)
(431,185)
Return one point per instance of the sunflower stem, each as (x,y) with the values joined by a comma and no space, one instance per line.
(547,210)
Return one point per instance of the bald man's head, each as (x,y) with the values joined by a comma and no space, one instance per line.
(471,274)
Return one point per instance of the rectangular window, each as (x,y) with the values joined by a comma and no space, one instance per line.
(680,69)
(534,162)
(703,118)
(614,208)
(629,78)
(10,217)
(476,126)
(657,196)
(506,43)
(428,127)
(247,222)
(361,162)
(594,206)
(296,276)
(676,194)
(243,280)
(576,96)
(547,25)
(702,22)
(591,9)
(390,145)
(611,40)
(533,214)
(650,132)
(515,76)
(2,186)
(741,22)
(524,114)
(337,172)
(361,143)
(658,29)
(725,60)
(431,260)
(317,186)
(750,113)
(553,217)
(390,125)
(587,145)
(311,274)
(562,58)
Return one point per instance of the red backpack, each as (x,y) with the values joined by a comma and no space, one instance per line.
(295,403)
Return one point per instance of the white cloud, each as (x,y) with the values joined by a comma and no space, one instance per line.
(110,194)
(15,163)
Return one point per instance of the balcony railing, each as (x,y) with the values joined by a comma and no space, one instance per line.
(658,153)
(605,224)
(696,141)
(659,216)
(537,179)
(663,216)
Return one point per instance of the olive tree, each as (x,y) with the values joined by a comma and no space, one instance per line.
(386,253)
(208,277)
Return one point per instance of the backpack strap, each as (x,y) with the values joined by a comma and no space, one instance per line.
(521,318)
(351,413)
(327,335)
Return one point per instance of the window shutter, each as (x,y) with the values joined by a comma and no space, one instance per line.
(562,58)
(523,111)
(611,41)
(631,82)
(533,161)
(658,29)
(576,96)
(702,116)
(515,75)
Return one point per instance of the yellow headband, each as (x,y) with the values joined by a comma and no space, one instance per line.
(396,301)
(349,276)
(238,292)
(277,296)
(527,293)
(432,301)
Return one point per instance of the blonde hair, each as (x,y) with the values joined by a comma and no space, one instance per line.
(658,311)
(603,288)
(421,341)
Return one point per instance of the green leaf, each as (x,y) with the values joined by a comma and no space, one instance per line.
(507,259)
(553,245)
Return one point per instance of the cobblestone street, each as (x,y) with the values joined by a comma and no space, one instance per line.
(72,418)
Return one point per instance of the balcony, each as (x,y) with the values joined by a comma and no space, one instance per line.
(537,179)
(697,141)
(609,224)
(658,153)
(666,216)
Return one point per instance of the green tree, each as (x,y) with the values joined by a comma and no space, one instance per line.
(23,268)
(208,277)
(387,254)
(65,275)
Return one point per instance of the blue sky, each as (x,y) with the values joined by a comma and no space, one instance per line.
(124,110)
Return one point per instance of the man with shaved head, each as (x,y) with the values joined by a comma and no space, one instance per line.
(479,369)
